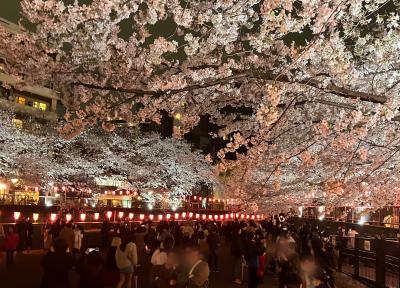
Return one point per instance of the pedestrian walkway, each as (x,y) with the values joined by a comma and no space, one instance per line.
(26,272)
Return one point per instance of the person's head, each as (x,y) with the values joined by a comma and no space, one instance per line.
(59,245)
(307,264)
(168,243)
(292,281)
(192,254)
(250,236)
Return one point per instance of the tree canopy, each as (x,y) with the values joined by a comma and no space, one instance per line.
(320,77)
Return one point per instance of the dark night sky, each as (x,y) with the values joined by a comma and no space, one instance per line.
(9,9)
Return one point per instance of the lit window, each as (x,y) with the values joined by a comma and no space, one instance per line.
(21,100)
(17,123)
(40,105)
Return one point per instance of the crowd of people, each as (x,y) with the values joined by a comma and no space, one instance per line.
(181,254)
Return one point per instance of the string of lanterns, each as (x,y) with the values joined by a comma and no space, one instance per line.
(152,217)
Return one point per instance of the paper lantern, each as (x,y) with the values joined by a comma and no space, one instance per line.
(96,216)
(204,216)
(151,217)
(195,197)
(231,215)
(258,216)
(168,216)
(176,216)
(183,214)
(160,217)
(210,217)
(83,217)
(120,214)
(53,217)
(109,214)
(226,216)
(197,215)
(215,217)
(141,216)
(242,216)
(68,217)
(237,215)
(252,217)
(130,216)
(190,214)
(35,216)
(17,215)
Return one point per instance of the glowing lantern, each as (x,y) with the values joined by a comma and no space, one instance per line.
(105,192)
(83,216)
(168,216)
(237,215)
(113,192)
(242,216)
(55,189)
(221,217)
(36,189)
(200,198)
(190,214)
(151,217)
(35,216)
(63,188)
(120,214)
(252,217)
(96,216)
(141,216)
(215,217)
(109,214)
(226,216)
(195,197)
(68,217)
(258,216)
(204,216)
(130,216)
(160,217)
(247,216)
(210,217)
(17,215)
(183,214)
(197,215)
(53,217)
(176,215)
(231,215)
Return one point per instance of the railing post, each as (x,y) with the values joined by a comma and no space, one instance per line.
(380,262)
(356,256)
(340,259)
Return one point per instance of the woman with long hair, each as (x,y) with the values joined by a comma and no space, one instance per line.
(126,259)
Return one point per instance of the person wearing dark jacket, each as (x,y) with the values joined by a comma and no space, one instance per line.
(56,266)
(252,254)
(237,252)
(213,244)
(91,271)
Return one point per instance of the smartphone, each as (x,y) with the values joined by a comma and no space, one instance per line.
(89,250)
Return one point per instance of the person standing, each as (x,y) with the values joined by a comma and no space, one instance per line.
(22,233)
(68,235)
(56,266)
(237,252)
(213,245)
(252,256)
(196,271)
(29,234)
(78,237)
(10,245)
(126,259)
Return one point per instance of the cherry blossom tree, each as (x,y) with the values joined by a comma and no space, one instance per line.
(320,77)
(146,162)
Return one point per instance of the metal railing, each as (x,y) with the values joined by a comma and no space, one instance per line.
(374,260)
